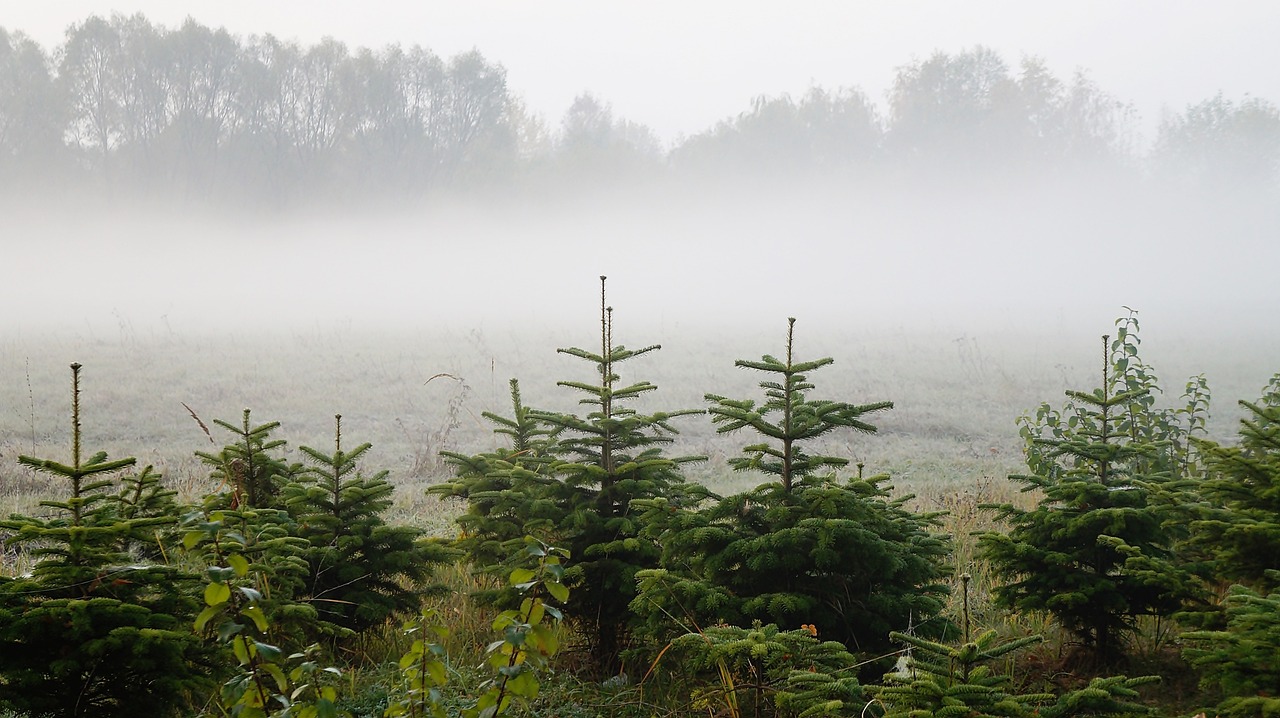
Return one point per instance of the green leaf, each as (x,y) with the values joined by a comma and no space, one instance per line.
(282,683)
(215,594)
(241,650)
(524,684)
(205,616)
(255,614)
(558,590)
(268,651)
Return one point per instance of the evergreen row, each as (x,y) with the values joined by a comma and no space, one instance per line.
(819,592)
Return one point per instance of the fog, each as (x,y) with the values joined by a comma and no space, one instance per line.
(221,182)
(985,256)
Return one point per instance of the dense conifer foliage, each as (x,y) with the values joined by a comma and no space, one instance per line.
(94,630)
(571,480)
(806,547)
(1097,551)
(1241,523)
(500,488)
(609,458)
(361,571)
(789,599)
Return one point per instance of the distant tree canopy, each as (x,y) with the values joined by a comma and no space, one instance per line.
(123,105)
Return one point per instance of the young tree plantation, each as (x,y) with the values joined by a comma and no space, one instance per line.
(588,555)
(803,533)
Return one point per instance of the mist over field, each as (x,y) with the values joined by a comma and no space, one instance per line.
(246,220)
(741,353)
(953,259)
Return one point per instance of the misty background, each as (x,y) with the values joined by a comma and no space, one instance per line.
(307,227)
(183,178)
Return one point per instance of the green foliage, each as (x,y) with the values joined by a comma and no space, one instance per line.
(252,475)
(94,630)
(808,548)
(422,670)
(278,567)
(571,479)
(1240,525)
(941,680)
(1105,697)
(1098,548)
(265,684)
(528,633)
(256,524)
(360,571)
(528,642)
(1242,662)
(798,419)
(500,488)
(764,671)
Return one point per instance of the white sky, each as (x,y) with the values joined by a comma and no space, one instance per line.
(680,66)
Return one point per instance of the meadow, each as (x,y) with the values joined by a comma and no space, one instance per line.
(951,433)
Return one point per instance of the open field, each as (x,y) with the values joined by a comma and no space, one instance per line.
(957,396)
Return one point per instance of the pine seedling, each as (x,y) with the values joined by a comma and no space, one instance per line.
(500,488)
(764,671)
(1095,552)
(94,629)
(606,460)
(361,571)
(805,547)
(1240,527)
(143,496)
(248,468)
(937,679)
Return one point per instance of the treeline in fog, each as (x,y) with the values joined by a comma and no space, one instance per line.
(127,106)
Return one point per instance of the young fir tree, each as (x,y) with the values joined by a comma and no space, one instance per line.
(764,671)
(606,459)
(806,547)
(1241,663)
(361,571)
(248,469)
(942,680)
(500,488)
(251,476)
(1240,525)
(94,630)
(1096,551)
